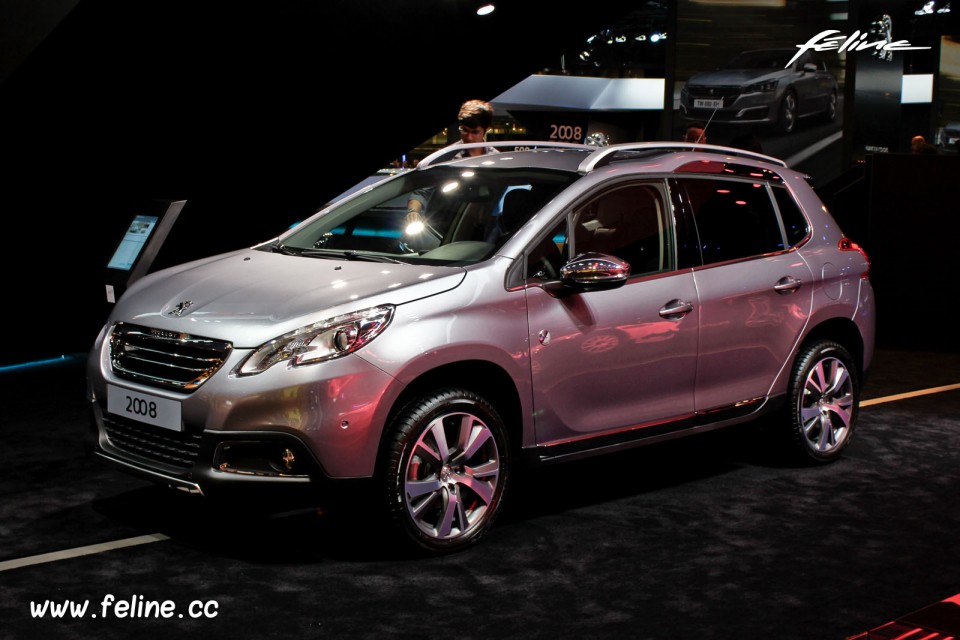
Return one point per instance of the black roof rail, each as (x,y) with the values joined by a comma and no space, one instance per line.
(511,145)
(605,155)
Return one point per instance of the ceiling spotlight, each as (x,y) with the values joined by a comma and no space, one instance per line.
(485,9)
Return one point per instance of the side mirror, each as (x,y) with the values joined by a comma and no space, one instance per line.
(809,67)
(592,271)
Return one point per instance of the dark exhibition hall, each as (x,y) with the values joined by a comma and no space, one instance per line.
(480,319)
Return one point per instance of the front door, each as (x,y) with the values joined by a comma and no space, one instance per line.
(611,360)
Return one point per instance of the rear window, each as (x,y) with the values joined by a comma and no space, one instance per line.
(734,219)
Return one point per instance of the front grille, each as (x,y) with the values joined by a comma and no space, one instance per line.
(165,358)
(169,448)
(727,94)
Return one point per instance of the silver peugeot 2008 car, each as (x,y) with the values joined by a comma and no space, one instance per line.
(549,302)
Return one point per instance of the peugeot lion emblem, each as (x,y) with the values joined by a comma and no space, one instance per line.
(180,307)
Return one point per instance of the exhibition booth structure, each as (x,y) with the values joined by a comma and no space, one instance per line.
(791,77)
(838,90)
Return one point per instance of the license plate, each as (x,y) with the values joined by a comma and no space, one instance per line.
(702,103)
(143,407)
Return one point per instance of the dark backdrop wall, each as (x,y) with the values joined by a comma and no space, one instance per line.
(902,209)
(256,114)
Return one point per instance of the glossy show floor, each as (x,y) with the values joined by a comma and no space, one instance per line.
(703,538)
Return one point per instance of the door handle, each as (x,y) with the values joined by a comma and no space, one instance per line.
(787,284)
(675,309)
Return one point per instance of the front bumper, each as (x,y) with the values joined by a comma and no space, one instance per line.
(755,108)
(758,114)
(286,430)
(255,464)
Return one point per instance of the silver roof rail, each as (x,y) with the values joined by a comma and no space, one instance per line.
(511,145)
(605,155)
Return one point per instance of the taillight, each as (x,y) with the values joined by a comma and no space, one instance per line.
(846,244)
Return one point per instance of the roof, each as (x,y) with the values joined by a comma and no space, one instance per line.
(585,158)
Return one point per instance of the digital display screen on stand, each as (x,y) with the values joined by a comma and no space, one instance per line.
(143,235)
(134,240)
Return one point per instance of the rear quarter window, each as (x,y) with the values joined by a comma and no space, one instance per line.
(794,222)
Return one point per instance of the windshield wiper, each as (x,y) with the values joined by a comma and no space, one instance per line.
(347,255)
(279,247)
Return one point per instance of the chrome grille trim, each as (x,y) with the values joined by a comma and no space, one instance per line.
(166,359)
(727,93)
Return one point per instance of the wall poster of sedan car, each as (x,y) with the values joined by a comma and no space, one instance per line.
(779,70)
(738,70)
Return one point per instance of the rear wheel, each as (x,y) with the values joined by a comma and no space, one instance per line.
(823,402)
(445,470)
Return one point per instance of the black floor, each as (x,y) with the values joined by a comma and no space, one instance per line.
(697,539)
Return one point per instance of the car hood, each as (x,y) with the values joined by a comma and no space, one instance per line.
(728,77)
(248,297)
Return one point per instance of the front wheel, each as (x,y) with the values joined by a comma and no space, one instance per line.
(445,470)
(830,113)
(787,119)
(823,401)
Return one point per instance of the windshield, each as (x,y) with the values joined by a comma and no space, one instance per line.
(765,59)
(445,215)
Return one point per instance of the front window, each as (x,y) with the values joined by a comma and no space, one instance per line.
(629,222)
(442,215)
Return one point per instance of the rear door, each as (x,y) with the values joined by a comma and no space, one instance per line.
(755,293)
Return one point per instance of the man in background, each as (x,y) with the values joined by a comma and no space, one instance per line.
(474,119)
(696,132)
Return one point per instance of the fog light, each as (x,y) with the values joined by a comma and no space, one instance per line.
(288,459)
(257,458)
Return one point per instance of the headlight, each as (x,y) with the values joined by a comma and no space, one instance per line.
(762,87)
(320,341)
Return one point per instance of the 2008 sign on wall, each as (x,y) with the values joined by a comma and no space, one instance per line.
(566,133)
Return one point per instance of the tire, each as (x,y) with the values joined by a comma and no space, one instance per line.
(787,118)
(823,402)
(445,471)
(830,114)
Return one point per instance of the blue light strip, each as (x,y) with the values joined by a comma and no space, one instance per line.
(41,363)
